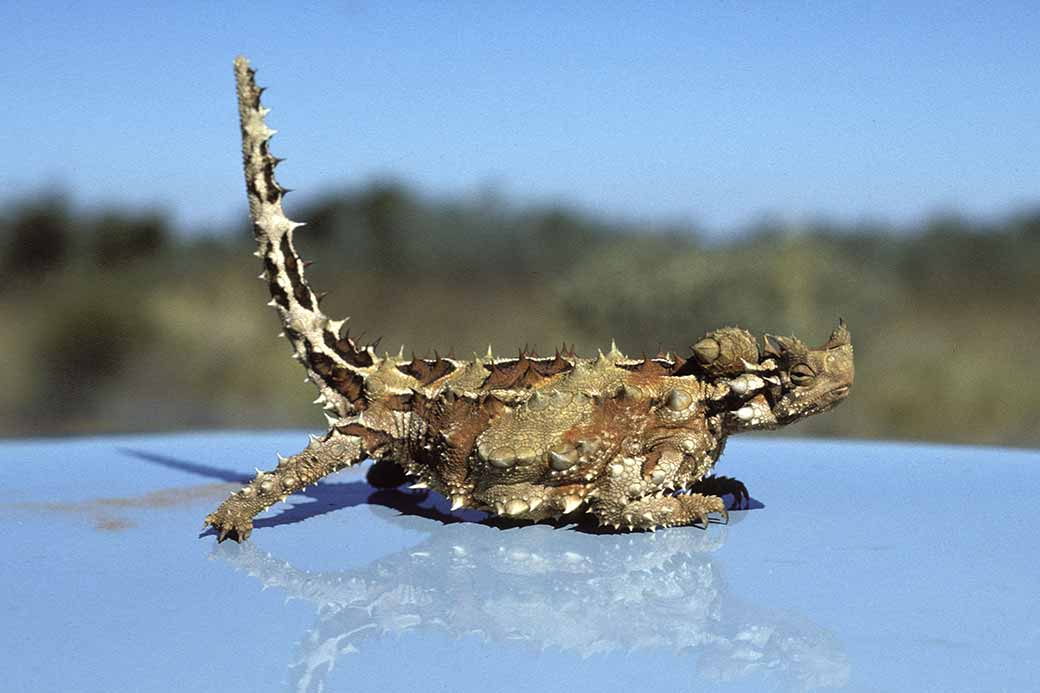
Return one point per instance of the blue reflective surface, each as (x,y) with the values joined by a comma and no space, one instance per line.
(864,566)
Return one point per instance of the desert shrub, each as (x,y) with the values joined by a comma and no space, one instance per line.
(38,237)
(119,238)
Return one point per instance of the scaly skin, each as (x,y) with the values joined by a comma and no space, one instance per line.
(527,437)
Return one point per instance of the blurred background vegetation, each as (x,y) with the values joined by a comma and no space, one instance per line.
(112,321)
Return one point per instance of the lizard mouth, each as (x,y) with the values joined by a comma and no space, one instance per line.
(791,410)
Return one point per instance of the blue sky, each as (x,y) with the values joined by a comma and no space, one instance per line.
(713,113)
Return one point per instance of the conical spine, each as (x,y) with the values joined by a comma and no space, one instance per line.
(333,363)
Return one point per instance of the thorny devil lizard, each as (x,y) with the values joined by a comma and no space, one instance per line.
(631,441)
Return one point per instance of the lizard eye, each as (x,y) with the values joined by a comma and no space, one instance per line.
(802,374)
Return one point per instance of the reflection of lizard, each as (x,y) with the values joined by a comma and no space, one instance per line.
(581,593)
(525,437)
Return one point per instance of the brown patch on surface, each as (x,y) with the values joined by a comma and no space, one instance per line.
(99,510)
(113,524)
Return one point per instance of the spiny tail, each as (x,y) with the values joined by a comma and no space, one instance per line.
(335,363)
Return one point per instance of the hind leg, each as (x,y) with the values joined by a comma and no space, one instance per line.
(234,518)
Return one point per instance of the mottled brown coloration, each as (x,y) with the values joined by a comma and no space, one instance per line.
(630,440)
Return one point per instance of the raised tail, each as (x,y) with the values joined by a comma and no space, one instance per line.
(334,362)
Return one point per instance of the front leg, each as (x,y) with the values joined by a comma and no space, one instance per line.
(653,511)
(234,518)
(631,494)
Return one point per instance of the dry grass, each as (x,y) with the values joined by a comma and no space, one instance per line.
(944,323)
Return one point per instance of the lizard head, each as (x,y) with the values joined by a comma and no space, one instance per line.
(787,380)
(811,380)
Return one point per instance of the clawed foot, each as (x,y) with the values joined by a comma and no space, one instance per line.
(698,507)
(229,527)
(654,512)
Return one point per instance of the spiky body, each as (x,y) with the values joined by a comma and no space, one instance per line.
(529,437)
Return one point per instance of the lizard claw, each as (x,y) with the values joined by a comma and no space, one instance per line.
(229,528)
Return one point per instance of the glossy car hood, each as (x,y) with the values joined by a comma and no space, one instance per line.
(862,566)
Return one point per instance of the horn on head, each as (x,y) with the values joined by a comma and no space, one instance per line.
(772,346)
(839,337)
(775,345)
